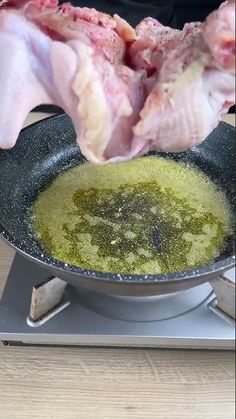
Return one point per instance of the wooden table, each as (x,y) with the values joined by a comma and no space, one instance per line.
(98,383)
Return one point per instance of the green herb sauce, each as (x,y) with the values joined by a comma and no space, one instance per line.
(145,216)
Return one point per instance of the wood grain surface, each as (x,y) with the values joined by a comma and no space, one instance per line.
(99,383)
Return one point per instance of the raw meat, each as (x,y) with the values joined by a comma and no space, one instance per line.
(194,85)
(127,91)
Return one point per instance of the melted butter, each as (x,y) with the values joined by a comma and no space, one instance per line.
(145,216)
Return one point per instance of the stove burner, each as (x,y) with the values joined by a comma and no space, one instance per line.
(189,319)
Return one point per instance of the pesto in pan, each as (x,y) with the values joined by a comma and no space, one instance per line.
(146,216)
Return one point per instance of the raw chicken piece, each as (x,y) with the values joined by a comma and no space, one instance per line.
(194,86)
(126,91)
(107,34)
(153,39)
(79,74)
(22,74)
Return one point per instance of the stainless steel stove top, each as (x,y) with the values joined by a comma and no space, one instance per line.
(185,320)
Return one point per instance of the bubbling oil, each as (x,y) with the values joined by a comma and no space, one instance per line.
(146,216)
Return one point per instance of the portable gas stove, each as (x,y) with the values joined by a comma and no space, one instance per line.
(59,314)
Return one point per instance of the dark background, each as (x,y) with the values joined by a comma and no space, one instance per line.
(172,13)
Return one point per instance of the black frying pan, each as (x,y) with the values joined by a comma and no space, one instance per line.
(45,149)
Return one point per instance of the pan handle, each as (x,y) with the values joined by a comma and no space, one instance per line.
(224,290)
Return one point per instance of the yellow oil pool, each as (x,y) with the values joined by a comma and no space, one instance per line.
(149,215)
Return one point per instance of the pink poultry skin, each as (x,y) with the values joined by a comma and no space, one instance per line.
(126,90)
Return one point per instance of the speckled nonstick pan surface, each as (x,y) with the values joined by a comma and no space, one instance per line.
(48,147)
